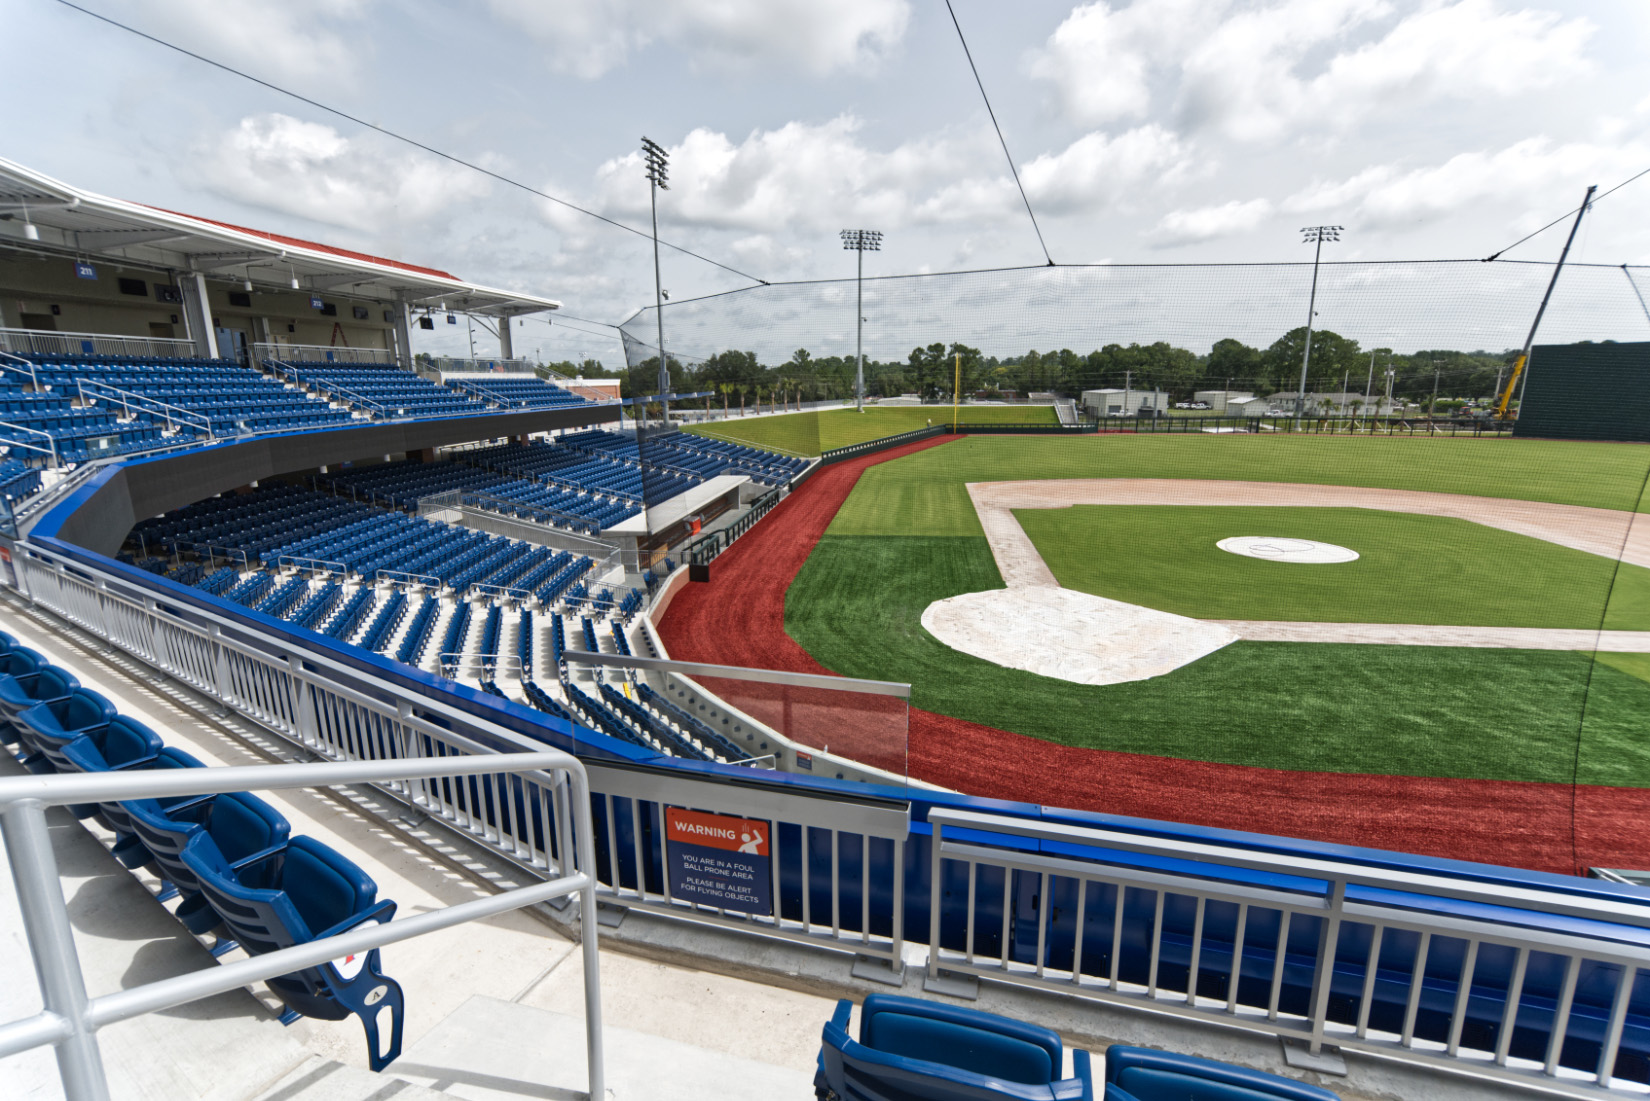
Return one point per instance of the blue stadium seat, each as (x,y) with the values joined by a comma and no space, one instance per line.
(1140,1074)
(923,1051)
(47,684)
(47,727)
(120,744)
(129,848)
(18,668)
(226,829)
(306,892)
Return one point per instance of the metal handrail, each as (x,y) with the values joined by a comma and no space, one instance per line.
(128,398)
(70,1018)
(320,565)
(333,388)
(739,672)
(425,580)
(50,439)
(29,363)
(38,339)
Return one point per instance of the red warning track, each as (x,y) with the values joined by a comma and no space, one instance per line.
(739,619)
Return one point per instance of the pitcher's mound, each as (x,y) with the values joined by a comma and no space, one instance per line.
(1071,635)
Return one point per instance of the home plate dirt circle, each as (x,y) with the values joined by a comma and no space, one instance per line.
(1276,549)
(1072,635)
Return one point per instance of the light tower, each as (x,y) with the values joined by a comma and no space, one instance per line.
(1316,236)
(861,241)
(658,178)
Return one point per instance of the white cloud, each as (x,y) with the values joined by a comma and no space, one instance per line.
(311,170)
(1258,72)
(1098,170)
(1535,175)
(313,39)
(589,37)
(1185,227)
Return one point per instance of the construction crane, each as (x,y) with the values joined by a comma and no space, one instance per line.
(1523,359)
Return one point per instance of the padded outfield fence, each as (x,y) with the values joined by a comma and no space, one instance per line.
(1522,978)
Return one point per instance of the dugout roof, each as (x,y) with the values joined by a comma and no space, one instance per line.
(79,223)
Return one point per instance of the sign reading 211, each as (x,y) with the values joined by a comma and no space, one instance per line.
(719,860)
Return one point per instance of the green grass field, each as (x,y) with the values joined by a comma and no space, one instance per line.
(1411,569)
(925,493)
(821,430)
(908,536)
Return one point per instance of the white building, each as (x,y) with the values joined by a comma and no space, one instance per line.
(1123,403)
(1217,400)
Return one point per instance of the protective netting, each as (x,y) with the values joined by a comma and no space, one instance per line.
(1390,622)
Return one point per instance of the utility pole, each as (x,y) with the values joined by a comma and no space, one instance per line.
(1315,235)
(658,178)
(1432,410)
(861,241)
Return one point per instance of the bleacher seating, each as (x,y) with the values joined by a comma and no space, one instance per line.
(230,856)
(515,391)
(233,400)
(381,389)
(924,1051)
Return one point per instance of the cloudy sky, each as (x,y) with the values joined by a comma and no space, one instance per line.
(1152,131)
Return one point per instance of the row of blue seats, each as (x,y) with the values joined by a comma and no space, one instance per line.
(18,480)
(915,1050)
(394,390)
(230,857)
(520,392)
(405,482)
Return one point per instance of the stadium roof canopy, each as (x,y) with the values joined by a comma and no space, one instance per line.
(80,223)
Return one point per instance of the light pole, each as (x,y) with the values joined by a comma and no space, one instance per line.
(861,241)
(1315,235)
(658,178)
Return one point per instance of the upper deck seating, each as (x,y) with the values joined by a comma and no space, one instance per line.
(517,391)
(383,389)
(923,1051)
(234,399)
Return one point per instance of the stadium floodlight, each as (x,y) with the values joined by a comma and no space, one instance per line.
(658,176)
(860,241)
(1315,236)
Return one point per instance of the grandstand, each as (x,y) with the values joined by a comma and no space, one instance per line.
(544,657)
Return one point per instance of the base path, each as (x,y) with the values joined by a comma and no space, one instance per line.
(738,618)
(1426,634)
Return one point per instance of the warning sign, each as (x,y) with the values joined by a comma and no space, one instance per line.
(719,860)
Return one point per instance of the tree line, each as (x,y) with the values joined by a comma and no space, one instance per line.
(1337,363)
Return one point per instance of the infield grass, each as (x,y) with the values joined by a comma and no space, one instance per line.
(1411,568)
(821,430)
(1394,710)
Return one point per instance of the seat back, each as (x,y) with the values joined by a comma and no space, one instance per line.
(50,685)
(58,721)
(115,816)
(261,905)
(20,661)
(968,1039)
(236,825)
(1149,1075)
(122,743)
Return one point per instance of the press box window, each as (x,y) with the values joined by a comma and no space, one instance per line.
(135,287)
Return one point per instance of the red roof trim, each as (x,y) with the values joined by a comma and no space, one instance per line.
(299,242)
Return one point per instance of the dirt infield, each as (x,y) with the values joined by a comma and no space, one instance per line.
(739,619)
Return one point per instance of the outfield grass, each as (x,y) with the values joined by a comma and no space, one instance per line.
(821,430)
(1411,569)
(925,493)
(1394,710)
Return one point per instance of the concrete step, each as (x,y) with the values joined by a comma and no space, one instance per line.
(492,1050)
(318,1079)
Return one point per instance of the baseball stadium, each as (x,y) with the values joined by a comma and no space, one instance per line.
(828,693)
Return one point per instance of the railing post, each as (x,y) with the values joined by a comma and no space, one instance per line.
(303,701)
(934,893)
(156,648)
(1323,978)
(220,659)
(51,944)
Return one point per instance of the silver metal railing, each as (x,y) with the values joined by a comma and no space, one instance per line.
(312,565)
(91,391)
(71,1017)
(321,353)
(52,342)
(1233,918)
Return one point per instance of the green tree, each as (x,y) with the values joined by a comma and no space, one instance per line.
(1332,356)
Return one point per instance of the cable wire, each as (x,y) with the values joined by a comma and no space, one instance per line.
(1000,140)
(414,142)
(1562,217)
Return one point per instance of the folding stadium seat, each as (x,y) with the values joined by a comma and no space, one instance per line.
(923,1051)
(1139,1074)
(228,830)
(300,893)
(46,728)
(38,682)
(115,816)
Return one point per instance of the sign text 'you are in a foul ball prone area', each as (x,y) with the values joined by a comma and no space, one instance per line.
(719,860)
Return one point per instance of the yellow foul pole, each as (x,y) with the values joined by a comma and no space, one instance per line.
(956,393)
